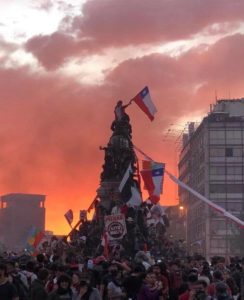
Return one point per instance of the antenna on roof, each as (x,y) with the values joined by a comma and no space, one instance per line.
(216,96)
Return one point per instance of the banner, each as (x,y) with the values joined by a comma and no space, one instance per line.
(115,226)
(207,201)
(199,196)
(125,177)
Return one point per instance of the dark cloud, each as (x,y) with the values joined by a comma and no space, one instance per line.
(52,50)
(108,23)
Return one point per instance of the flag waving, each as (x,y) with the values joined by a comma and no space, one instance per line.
(34,238)
(153,174)
(69,216)
(144,101)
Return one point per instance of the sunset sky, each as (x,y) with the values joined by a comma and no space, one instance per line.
(65,64)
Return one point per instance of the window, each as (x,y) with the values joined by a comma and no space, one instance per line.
(237,152)
(217,243)
(233,134)
(229,152)
(4,204)
(216,152)
(234,188)
(226,188)
(218,224)
(217,134)
(217,188)
(217,170)
(234,206)
(234,170)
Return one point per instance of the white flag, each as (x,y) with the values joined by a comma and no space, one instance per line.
(125,178)
(135,199)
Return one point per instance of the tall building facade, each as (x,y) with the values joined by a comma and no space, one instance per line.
(177,220)
(212,163)
(18,214)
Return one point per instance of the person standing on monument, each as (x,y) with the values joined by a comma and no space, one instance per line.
(119,110)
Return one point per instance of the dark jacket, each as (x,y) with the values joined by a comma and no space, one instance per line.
(146,293)
(55,295)
(37,290)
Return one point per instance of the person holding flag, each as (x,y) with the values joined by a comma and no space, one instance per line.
(119,110)
(143,100)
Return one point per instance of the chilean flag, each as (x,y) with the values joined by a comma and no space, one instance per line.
(153,179)
(144,101)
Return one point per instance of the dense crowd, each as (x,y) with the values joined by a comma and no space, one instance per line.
(59,272)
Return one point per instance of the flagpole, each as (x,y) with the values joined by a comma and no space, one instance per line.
(80,221)
(73,228)
(70,226)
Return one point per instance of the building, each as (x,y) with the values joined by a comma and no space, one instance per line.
(18,214)
(212,163)
(177,222)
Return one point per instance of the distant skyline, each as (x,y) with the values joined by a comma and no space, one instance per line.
(64,65)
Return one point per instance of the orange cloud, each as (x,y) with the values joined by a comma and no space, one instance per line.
(52,126)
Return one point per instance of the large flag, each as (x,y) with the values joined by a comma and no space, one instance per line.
(69,216)
(153,175)
(34,238)
(144,101)
(125,178)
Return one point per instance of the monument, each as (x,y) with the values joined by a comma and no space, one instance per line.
(120,215)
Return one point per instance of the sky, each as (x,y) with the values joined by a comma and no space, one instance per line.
(65,64)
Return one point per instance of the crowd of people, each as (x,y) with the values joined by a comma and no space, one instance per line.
(56,274)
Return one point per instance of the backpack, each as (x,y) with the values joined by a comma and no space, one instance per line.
(22,290)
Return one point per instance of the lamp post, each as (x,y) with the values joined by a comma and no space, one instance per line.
(183,215)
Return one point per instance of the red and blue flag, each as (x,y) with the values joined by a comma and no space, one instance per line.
(144,101)
(153,175)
